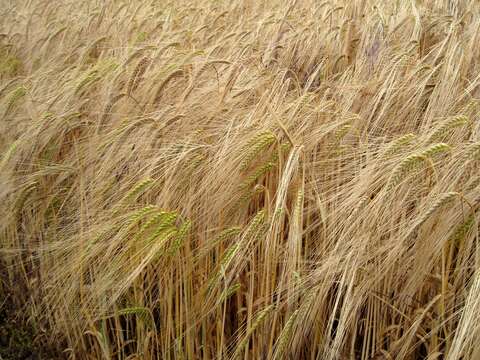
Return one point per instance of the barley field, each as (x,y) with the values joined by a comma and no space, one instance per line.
(240,179)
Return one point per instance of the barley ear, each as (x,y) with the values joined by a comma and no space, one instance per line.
(284,337)
(242,344)
(137,74)
(255,146)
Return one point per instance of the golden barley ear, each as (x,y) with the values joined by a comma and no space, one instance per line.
(159,91)
(442,200)
(137,75)
(23,196)
(92,53)
(109,107)
(342,131)
(472,151)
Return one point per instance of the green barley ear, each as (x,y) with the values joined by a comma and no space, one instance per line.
(140,214)
(265,167)
(242,344)
(138,189)
(278,213)
(47,115)
(133,194)
(261,171)
(447,125)
(306,304)
(227,234)
(436,149)
(256,224)
(255,146)
(229,292)
(284,337)
(192,163)
(162,233)
(141,37)
(342,131)
(182,234)
(412,161)
(73,116)
(284,148)
(406,165)
(6,86)
(89,78)
(106,66)
(13,99)
(163,219)
(224,264)
(462,230)
(137,53)
(246,197)
(229,254)
(95,73)
(22,198)
(399,143)
(8,154)
(222,237)
(141,313)
(10,65)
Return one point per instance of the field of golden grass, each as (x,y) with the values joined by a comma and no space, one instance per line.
(240,179)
